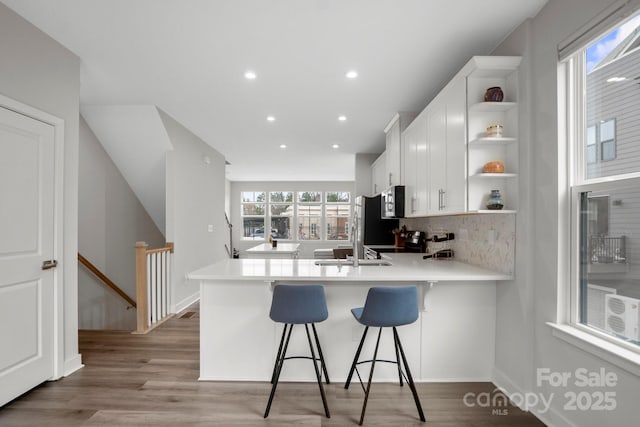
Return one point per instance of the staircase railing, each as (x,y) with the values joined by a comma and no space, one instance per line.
(100,275)
(153,286)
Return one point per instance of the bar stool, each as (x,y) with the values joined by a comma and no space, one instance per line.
(297,305)
(386,307)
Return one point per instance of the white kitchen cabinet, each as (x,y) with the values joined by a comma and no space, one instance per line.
(378,174)
(394,157)
(414,151)
(446,139)
(446,146)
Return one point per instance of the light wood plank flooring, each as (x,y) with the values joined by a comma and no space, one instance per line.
(151,380)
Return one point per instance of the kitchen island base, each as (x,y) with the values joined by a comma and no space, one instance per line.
(453,340)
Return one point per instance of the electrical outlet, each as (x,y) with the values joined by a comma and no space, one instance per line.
(210,228)
(491,236)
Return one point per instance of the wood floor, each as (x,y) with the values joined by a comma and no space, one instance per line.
(151,380)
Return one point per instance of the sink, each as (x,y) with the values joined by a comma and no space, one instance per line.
(349,262)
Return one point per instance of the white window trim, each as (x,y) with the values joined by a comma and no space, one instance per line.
(597,346)
(295,218)
(571,128)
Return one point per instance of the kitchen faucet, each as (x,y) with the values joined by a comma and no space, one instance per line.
(354,236)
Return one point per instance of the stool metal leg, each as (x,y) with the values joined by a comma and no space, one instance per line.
(278,369)
(373,365)
(395,343)
(409,376)
(284,332)
(315,367)
(355,359)
(324,366)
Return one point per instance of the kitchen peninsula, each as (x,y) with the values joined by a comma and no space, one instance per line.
(452,341)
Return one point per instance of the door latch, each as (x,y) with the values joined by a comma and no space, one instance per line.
(51,263)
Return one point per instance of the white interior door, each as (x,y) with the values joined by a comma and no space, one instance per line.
(26,241)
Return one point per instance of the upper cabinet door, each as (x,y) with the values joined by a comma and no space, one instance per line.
(414,152)
(378,175)
(394,149)
(455,195)
(437,145)
(394,163)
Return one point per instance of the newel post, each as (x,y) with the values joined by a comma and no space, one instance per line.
(141,286)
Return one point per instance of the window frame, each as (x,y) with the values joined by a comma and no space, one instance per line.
(569,308)
(327,216)
(320,227)
(292,218)
(263,216)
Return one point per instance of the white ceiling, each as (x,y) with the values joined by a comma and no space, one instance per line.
(188,57)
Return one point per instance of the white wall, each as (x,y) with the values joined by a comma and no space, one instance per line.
(195,200)
(524,342)
(38,71)
(306,247)
(111,220)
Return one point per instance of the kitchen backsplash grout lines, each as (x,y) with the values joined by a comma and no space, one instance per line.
(486,240)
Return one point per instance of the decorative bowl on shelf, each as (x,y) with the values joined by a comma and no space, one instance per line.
(494,131)
(493,167)
(494,94)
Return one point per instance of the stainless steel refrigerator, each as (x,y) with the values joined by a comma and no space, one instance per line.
(372,229)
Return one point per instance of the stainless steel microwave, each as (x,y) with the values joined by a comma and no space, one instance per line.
(393,202)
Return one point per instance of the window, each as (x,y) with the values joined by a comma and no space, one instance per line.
(253,212)
(281,208)
(605,187)
(289,215)
(337,214)
(601,143)
(309,215)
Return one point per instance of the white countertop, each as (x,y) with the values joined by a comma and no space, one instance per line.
(282,248)
(406,267)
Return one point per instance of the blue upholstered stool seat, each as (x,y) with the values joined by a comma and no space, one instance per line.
(298,305)
(387,307)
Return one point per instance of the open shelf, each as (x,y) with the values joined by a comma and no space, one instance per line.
(494,175)
(492,106)
(497,211)
(493,140)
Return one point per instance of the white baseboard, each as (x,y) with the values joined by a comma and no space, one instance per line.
(552,418)
(73,364)
(186,302)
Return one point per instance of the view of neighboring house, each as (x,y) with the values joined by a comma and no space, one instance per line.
(612,132)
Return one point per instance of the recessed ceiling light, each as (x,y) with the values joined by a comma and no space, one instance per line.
(616,79)
(271,119)
(283,146)
(342,118)
(334,146)
(351,74)
(250,75)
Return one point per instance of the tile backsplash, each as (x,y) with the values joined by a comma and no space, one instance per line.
(486,240)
